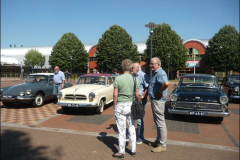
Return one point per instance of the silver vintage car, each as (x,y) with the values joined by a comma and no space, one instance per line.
(37,88)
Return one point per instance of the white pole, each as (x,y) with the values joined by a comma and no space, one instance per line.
(194,62)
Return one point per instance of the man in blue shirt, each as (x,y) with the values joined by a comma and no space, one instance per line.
(158,94)
(58,80)
(143,89)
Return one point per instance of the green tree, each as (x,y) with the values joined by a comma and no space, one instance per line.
(115,46)
(32,58)
(166,41)
(42,60)
(222,52)
(69,51)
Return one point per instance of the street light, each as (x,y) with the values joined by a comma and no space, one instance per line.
(169,54)
(151,27)
(71,67)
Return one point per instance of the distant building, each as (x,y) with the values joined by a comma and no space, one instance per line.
(12,58)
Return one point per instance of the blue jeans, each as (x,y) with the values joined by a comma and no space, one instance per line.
(140,123)
(56,89)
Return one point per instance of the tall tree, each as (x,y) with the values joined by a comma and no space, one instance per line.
(69,52)
(42,61)
(222,52)
(32,58)
(115,46)
(168,46)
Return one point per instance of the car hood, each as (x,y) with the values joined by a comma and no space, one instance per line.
(83,89)
(198,95)
(15,90)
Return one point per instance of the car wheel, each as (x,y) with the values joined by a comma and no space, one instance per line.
(100,108)
(7,104)
(38,101)
(66,109)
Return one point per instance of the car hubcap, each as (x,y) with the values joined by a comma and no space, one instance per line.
(39,100)
(101,105)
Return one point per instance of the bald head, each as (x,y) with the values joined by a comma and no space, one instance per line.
(56,69)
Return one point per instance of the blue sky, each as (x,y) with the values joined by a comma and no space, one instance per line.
(36,23)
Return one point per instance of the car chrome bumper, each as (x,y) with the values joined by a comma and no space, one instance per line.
(235,96)
(209,113)
(77,104)
(17,99)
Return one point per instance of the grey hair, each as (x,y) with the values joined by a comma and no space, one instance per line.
(127,65)
(157,60)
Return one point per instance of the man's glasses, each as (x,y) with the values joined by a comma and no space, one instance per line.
(151,64)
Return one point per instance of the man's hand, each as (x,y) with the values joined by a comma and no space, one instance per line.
(139,98)
(159,94)
(62,86)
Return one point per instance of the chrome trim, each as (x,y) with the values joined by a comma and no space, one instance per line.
(235,97)
(17,99)
(199,106)
(77,104)
(209,113)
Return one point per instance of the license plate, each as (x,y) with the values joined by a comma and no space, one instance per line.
(73,105)
(197,113)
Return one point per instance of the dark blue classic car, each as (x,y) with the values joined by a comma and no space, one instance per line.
(199,95)
(230,86)
(37,88)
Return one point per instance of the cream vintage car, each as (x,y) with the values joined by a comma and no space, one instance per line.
(91,91)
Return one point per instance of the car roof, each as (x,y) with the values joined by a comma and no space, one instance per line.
(46,74)
(198,75)
(99,75)
(233,75)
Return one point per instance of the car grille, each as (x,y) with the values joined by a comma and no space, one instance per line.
(198,106)
(75,97)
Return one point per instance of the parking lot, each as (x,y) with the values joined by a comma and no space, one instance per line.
(203,130)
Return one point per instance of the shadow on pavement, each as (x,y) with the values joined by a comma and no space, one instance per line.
(114,127)
(188,118)
(111,142)
(17,145)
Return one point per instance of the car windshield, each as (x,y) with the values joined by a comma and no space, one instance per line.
(198,81)
(91,80)
(234,79)
(37,79)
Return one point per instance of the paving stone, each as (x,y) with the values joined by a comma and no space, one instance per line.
(91,119)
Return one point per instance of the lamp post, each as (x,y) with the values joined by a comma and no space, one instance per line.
(169,54)
(71,67)
(151,27)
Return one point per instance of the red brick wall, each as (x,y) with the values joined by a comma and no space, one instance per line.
(92,64)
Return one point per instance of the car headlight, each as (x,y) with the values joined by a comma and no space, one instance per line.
(21,93)
(223,99)
(91,95)
(59,94)
(1,92)
(173,97)
(28,92)
(236,89)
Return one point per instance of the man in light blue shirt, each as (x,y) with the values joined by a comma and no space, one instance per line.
(58,81)
(158,94)
(143,89)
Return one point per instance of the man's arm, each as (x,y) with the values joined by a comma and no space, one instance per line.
(115,95)
(63,82)
(163,87)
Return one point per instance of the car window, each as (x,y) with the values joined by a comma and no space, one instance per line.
(37,79)
(91,80)
(234,79)
(198,81)
(110,80)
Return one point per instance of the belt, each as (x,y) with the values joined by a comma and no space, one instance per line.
(57,83)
